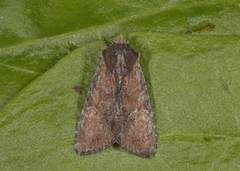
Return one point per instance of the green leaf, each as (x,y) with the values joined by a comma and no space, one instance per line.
(190,58)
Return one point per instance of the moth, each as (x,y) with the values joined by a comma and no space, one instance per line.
(117,108)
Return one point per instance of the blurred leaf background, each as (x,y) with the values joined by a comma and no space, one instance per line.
(190,58)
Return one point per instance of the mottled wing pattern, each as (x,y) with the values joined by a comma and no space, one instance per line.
(97,127)
(138,134)
(117,108)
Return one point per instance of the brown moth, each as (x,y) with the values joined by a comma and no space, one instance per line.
(117,108)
